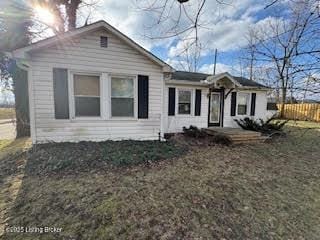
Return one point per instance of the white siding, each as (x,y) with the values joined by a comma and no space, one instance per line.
(261,108)
(177,122)
(85,54)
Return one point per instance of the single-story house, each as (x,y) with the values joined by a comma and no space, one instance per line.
(94,84)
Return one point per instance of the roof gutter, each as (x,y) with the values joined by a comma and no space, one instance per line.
(186,82)
(204,83)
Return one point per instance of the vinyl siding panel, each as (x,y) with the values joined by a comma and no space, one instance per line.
(260,111)
(85,55)
(177,122)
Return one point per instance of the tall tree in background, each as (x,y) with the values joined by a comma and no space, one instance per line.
(15,23)
(183,21)
(66,12)
(290,46)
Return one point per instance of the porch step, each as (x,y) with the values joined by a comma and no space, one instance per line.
(250,140)
(238,136)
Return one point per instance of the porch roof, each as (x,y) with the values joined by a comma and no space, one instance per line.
(196,77)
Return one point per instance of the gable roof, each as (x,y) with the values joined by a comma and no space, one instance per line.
(22,52)
(198,77)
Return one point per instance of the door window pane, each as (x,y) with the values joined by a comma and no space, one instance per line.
(122,97)
(184,104)
(86,95)
(215,108)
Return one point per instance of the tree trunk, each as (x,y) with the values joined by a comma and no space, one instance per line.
(20,85)
(283,101)
(71,9)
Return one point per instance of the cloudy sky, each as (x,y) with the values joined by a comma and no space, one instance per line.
(224,26)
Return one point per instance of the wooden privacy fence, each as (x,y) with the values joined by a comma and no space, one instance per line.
(302,111)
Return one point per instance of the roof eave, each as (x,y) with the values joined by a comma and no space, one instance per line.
(255,88)
(185,82)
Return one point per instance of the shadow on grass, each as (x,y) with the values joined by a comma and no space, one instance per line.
(264,191)
(12,165)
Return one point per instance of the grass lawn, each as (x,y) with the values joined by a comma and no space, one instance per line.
(7,113)
(264,191)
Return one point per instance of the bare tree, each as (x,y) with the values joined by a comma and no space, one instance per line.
(188,55)
(182,20)
(290,46)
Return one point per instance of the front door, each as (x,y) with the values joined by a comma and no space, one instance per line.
(216,108)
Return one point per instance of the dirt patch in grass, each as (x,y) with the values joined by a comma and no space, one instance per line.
(7,113)
(264,191)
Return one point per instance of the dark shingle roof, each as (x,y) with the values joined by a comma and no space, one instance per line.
(189,76)
(247,82)
(197,77)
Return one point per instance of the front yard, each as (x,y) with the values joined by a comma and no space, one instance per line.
(264,191)
(7,113)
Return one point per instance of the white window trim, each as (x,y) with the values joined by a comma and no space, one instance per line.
(191,102)
(135,96)
(72,96)
(248,104)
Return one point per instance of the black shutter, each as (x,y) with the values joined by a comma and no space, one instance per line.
(172,101)
(233,103)
(143,96)
(61,96)
(197,108)
(253,104)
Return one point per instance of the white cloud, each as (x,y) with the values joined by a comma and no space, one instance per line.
(178,65)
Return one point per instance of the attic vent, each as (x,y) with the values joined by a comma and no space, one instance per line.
(104,42)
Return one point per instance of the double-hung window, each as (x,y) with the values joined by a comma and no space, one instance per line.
(122,97)
(184,101)
(243,103)
(86,95)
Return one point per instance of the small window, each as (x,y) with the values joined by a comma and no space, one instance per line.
(122,97)
(184,102)
(103,42)
(86,95)
(243,103)
(272,106)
